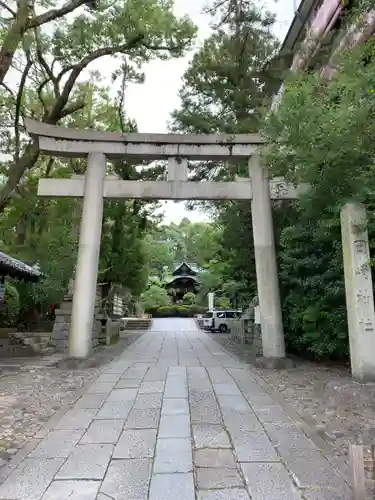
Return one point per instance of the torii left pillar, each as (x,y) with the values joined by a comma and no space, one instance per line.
(88,258)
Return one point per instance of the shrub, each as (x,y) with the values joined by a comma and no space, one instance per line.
(9,314)
(177,311)
(189,299)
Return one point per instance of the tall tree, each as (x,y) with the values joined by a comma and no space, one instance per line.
(226,89)
(47,77)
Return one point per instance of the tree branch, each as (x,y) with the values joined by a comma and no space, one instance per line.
(44,64)
(19,101)
(13,37)
(78,68)
(54,14)
(72,108)
(6,7)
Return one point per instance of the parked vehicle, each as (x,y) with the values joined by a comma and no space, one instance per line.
(218,319)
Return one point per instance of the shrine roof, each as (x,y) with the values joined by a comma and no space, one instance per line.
(9,266)
(184,269)
(182,277)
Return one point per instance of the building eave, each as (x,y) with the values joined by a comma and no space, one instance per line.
(9,266)
(300,17)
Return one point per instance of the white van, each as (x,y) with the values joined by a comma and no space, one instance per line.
(217,320)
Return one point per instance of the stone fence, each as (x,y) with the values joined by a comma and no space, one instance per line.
(246,332)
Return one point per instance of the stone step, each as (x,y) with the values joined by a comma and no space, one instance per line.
(136,323)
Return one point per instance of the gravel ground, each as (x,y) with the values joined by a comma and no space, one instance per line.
(31,395)
(325,396)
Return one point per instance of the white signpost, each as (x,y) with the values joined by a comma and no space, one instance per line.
(211,298)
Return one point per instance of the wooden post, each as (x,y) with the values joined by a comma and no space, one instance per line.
(358,471)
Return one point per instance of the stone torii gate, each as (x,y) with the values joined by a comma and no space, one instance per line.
(94,186)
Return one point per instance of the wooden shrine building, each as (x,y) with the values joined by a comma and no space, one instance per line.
(183,280)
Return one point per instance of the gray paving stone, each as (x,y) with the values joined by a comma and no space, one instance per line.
(151,387)
(91,401)
(175,390)
(258,399)
(203,397)
(76,419)
(117,367)
(212,458)
(126,479)
(30,479)
(219,376)
(175,406)
(225,494)
(115,410)
(289,438)
(128,383)
(87,461)
(203,408)
(57,444)
(234,404)
(173,455)
(136,372)
(227,389)
(254,447)
(144,401)
(266,481)
(174,426)
(143,418)
(108,377)
(238,423)
(311,469)
(101,387)
(272,415)
(172,487)
(156,374)
(329,494)
(210,436)
(218,478)
(79,490)
(136,443)
(103,431)
(119,395)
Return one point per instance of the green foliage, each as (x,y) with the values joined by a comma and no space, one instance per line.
(155,297)
(323,133)
(175,311)
(188,299)
(47,47)
(226,89)
(9,314)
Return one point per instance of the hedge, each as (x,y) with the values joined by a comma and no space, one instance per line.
(176,311)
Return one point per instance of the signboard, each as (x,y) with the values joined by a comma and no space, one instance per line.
(211,297)
(257,315)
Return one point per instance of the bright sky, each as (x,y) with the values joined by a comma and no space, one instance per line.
(151,103)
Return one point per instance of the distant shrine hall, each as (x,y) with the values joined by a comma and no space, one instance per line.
(183,281)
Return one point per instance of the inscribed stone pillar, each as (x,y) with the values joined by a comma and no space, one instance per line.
(359,291)
(265,261)
(88,258)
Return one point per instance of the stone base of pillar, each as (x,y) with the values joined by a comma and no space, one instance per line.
(61,327)
(275,363)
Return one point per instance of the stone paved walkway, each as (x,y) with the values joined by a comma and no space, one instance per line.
(175,418)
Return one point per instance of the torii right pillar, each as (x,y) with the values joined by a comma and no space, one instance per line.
(266,266)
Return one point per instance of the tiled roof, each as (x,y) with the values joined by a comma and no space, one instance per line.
(17,269)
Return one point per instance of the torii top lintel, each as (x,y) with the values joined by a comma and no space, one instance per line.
(62,141)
